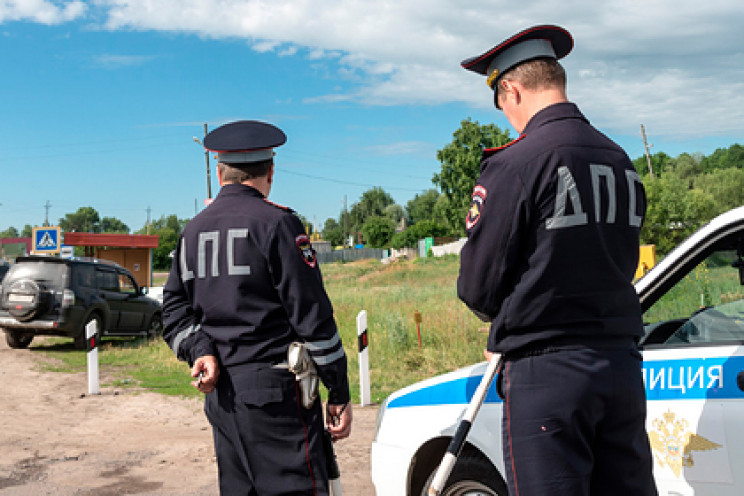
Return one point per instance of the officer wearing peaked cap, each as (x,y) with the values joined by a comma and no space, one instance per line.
(243,287)
(553,232)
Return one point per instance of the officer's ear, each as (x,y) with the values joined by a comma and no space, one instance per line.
(219,174)
(270,175)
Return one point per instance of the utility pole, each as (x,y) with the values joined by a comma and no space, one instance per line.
(47,206)
(206,157)
(148,218)
(346,216)
(648,155)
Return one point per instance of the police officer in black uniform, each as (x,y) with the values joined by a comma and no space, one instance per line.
(244,285)
(553,235)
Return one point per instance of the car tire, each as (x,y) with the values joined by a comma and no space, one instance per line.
(25,311)
(155,327)
(472,475)
(18,340)
(81,340)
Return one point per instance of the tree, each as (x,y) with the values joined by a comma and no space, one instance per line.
(674,211)
(10,232)
(168,229)
(461,164)
(659,163)
(113,225)
(333,232)
(420,230)
(28,231)
(86,219)
(372,204)
(725,186)
(423,207)
(377,231)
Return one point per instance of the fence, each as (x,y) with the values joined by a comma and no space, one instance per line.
(349,255)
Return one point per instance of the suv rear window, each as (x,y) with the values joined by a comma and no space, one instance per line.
(52,274)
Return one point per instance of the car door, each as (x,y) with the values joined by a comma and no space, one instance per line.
(133,306)
(694,366)
(107,283)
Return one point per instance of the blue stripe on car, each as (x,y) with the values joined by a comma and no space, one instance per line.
(688,379)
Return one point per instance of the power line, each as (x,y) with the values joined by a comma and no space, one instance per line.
(351,183)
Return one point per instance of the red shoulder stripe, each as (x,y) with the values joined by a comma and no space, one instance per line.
(490,151)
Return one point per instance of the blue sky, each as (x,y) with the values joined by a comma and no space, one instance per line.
(100,99)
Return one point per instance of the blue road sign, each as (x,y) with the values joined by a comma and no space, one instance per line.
(46,239)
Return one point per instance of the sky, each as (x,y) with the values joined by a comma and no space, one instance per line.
(100,100)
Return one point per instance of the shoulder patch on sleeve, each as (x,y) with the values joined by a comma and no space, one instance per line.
(306,250)
(476,206)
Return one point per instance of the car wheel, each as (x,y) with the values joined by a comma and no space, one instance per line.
(18,340)
(472,476)
(81,340)
(155,328)
(25,299)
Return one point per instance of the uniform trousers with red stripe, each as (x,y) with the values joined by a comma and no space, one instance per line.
(574,423)
(266,442)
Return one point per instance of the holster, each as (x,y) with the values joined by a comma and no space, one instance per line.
(301,364)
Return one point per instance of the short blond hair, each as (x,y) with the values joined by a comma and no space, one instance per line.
(536,74)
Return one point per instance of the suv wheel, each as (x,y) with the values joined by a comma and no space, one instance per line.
(18,340)
(155,328)
(81,340)
(25,299)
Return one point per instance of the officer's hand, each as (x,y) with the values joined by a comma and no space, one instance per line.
(488,355)
(208,366)
(338,420)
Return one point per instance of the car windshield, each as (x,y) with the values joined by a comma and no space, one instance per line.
(706,306)
(53,274)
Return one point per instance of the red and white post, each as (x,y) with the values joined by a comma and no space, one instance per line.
(91,334)
(363,343)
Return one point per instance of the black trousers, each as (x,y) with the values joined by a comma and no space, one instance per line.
(266,442)
(574,423)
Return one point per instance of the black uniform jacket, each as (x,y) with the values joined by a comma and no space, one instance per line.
(244,284)
(553,236)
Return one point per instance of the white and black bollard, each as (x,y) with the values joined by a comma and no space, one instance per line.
(363,342)
(91,334)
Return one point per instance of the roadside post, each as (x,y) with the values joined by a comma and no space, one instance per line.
(363,342)
(91,334)
(418,319)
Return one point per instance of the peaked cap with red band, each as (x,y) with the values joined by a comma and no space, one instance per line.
(244,142)
(535,42)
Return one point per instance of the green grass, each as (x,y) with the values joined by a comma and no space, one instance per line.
(389,293)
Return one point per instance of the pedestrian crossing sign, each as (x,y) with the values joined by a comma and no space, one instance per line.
(46,240)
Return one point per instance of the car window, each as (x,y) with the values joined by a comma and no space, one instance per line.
(85,276)
(126,284)
(107,280)
(705,306)
(52,274)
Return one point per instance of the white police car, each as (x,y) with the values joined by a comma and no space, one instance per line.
(693,352)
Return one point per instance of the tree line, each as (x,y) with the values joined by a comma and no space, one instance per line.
(683,193)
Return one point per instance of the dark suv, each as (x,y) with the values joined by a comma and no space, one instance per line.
(59,297)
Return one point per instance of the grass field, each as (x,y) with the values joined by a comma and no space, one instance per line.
(389,293)
(451,337)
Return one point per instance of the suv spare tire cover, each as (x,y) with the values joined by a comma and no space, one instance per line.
(23,299)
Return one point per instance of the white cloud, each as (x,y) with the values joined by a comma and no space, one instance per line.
(41,11)
(113,61)
(676,64)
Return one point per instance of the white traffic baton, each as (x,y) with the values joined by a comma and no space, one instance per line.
(458,440)
(91,335)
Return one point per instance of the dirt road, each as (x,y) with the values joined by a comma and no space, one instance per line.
(58,441)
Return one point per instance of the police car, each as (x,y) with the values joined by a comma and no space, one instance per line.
(693,351)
